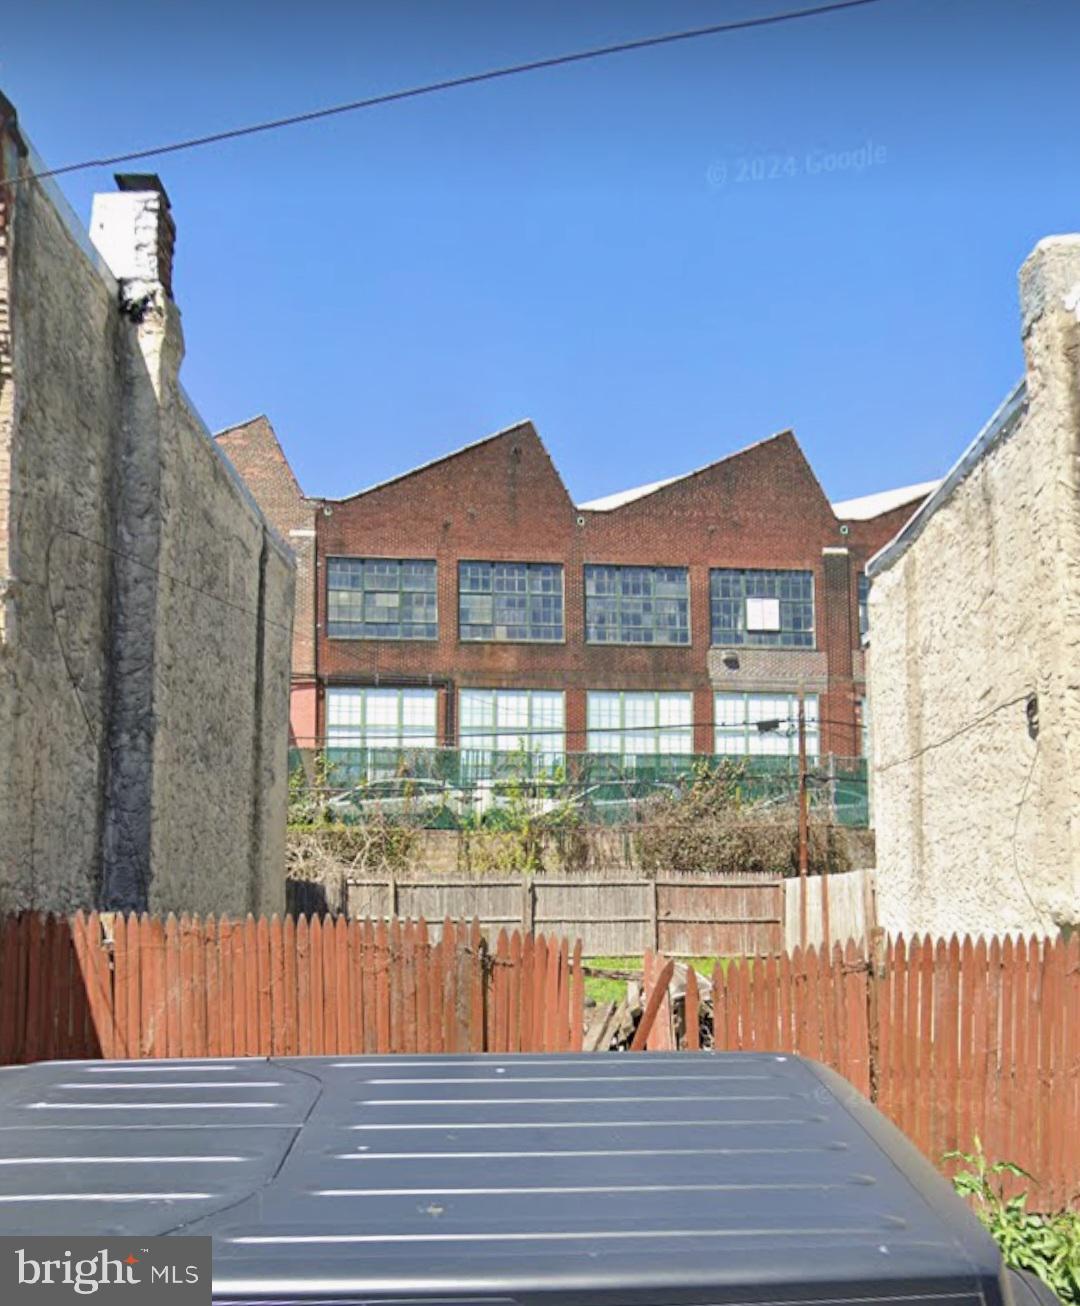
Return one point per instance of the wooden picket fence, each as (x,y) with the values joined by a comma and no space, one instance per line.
(951,1039)
(140,986)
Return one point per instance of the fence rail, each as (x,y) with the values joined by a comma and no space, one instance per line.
(139,986)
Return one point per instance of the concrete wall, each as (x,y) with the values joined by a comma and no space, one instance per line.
(146,607)
(254,450)
(973,610)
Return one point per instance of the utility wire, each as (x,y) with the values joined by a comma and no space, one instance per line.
(981,719)
(449,84)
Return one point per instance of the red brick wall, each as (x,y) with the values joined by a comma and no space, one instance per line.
(502,499)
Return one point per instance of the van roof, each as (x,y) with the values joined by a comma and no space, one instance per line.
(613,1179)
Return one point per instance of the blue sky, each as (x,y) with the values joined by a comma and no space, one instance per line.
(649,255)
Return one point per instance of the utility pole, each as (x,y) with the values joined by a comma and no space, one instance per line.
(803,822)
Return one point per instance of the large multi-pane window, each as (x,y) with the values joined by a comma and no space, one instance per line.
(368,717)
(510,601)
(637,605)
(511,720)
(864,604)
(771,608)
(381,598)
(765,725)
(634,724)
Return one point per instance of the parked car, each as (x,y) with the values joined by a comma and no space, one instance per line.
(414,797)
(615,802)
(675,1179)
(536,796)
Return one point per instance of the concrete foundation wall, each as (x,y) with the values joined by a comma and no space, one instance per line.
(976,806)
(147,606)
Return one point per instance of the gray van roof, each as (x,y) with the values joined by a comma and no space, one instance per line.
(614,1179)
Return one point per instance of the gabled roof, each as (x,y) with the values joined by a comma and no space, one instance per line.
(609,502)
(524,424)
(873,505)
(222,438)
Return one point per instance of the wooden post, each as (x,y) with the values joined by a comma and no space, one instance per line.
(392,896)
(803,852)
(528,904)
(654,916)
(869,911)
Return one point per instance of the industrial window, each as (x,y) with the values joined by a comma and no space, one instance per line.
(381,598)
(744,725)
(511,720)
(510,601)
(380,718)
(771,608)
(864,605)
(634,724)
(637,605)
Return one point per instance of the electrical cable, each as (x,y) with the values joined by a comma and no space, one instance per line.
(1016,831)
(955,734)
(446,84)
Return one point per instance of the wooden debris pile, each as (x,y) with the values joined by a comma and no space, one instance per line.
(666,1007)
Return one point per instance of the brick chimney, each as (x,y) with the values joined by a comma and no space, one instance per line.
(133,230)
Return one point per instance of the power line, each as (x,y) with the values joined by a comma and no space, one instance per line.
(955,734)
(449,84)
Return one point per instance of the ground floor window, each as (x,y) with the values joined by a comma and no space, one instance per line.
(634,724)
(364,717)
(744,725)
(513,720)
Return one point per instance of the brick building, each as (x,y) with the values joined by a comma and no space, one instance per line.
(471,602)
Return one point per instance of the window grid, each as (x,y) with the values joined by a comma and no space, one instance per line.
(633,723)
(637,605)
(364,717)
(381,598)
(510,601)
(737,717)
(864,604)
(732,592)
(490,718)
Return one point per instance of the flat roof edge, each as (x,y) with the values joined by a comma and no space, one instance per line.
(1002,424)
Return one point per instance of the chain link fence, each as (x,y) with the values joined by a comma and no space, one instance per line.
(455,788)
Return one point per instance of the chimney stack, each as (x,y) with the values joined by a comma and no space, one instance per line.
(133,230)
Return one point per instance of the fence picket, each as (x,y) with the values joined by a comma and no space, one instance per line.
(577,1001)
(691,1012)
(515,1016)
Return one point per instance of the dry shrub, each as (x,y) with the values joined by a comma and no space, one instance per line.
(329,855)
(710,827)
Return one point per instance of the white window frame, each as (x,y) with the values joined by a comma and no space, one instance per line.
(735,718)
(357,733)
(535,735)
(630,722)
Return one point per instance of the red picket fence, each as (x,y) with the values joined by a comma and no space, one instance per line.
(951,1039)
(139,986)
